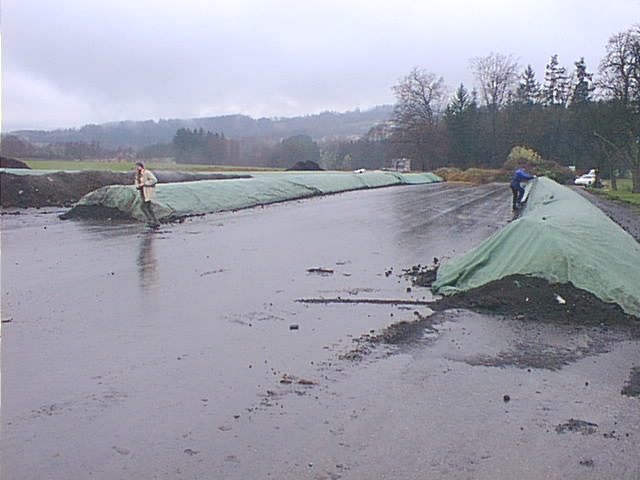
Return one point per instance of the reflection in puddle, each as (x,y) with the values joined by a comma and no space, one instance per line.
(147,261)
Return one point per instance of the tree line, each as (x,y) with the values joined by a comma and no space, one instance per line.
(573,117)
(198,146)
(14,146)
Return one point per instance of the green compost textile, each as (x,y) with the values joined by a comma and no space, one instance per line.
(560,237)
(177,200)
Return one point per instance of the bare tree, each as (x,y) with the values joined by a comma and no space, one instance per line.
(496,74)
(620,84)
(620,68)
(421,98)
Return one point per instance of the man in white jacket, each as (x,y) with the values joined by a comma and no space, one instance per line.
(145,182)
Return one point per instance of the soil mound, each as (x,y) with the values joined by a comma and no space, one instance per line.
(55,189)
(6,162)
(306,165)
(531,298)
(63,189)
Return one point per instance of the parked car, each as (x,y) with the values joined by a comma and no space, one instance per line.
(588,179)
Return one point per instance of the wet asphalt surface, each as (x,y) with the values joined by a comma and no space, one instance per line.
(182,353)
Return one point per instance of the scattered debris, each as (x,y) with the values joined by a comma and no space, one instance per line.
(121,451)
(211,272)
(560,300)
(422,276)
(289,379)
(320,270)
(577,426)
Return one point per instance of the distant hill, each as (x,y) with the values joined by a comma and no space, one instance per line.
(138,134)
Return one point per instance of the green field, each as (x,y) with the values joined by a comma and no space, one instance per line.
(120,166)
(623,193)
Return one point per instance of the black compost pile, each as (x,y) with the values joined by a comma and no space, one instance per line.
(531,298)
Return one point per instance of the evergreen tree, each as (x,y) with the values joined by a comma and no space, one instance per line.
(200,146)
(582,84)
(556,86)
(460,101)
(528,91)
(460,120)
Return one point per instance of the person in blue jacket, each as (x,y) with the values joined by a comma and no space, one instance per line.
(518,192)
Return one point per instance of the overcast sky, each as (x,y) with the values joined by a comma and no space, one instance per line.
(70,62)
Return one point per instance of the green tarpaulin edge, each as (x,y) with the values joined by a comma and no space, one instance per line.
(561,237)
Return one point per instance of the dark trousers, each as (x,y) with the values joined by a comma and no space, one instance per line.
(518,193)
(148,212)
(146,209)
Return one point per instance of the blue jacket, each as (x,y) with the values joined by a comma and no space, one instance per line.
(520,176)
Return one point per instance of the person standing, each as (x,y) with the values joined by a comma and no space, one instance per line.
(145,182)
(518,192)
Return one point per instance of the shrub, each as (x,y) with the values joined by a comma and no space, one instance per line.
(532,162)
(522,157)
(472,175)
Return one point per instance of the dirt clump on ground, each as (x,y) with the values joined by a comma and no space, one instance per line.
(632,386)
(63,189)
(577,426)
(6,162)
(422,276)
(530,298)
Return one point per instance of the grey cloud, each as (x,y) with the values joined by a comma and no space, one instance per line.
(148,59)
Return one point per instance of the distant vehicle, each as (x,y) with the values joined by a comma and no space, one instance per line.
(587,180)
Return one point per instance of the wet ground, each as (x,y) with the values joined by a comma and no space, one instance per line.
(183,353)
